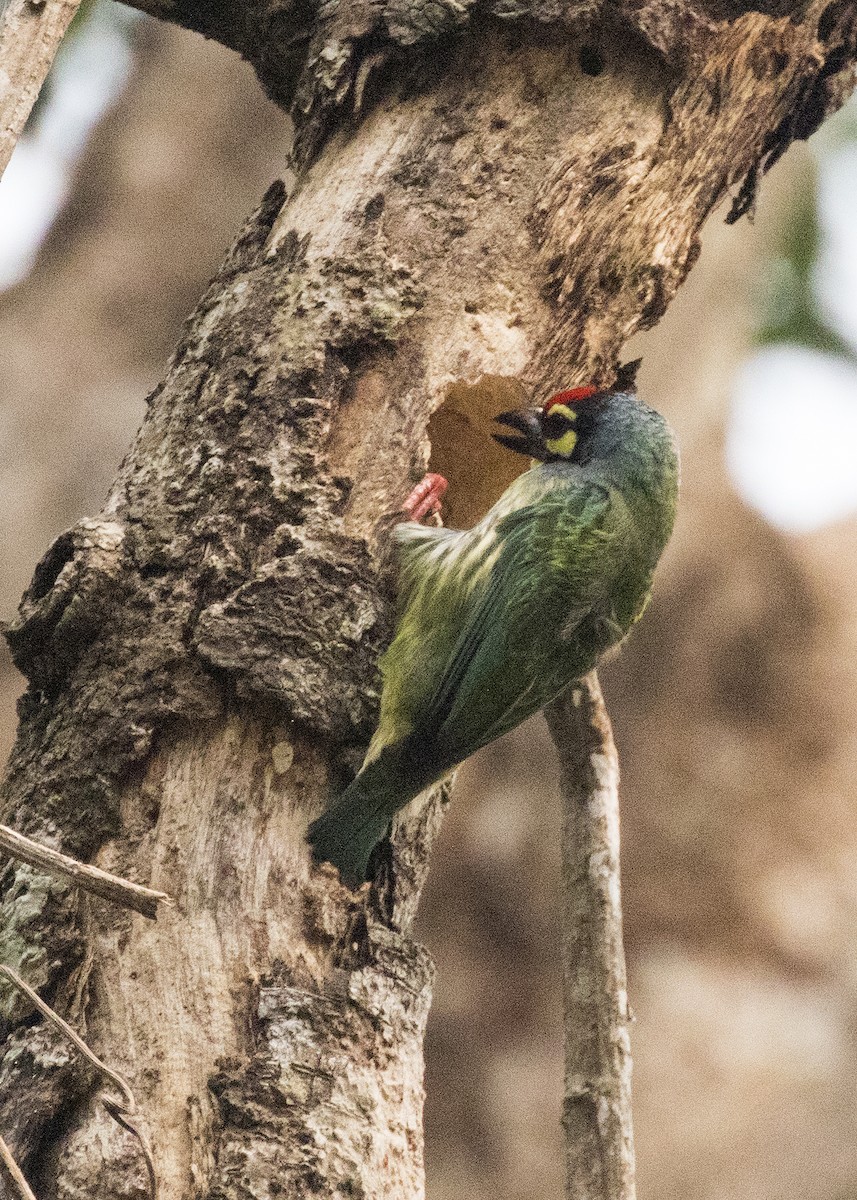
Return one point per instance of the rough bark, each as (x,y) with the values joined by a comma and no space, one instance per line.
(14,1174)
(202,654)
(87,334)
(312,966)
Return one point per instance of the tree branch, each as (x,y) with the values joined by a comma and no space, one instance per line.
(30,34)
(317,65)
(16,1178)
(89,879)
(597,1107)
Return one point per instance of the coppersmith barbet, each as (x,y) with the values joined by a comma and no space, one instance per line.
(497,620)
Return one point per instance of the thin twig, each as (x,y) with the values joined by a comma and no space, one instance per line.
(30,34)
(14,1172)
(90,879)
(120,1112)
(597,1108)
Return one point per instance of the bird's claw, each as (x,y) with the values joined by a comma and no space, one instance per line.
(426,497)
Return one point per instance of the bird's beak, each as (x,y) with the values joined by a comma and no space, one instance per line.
(528,422)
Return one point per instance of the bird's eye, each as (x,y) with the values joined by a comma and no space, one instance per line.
(555,425)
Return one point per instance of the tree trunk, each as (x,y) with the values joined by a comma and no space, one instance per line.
(477,207)
(86,335)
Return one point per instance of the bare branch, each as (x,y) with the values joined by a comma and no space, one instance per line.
(89,879)
(13,1171)
(30,34)
(597,1107)
(121,1113)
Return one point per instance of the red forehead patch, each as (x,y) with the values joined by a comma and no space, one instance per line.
(573,396)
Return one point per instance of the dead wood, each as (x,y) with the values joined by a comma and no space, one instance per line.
(89,879)
(518,192)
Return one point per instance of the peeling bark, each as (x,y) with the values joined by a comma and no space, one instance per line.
(202,654)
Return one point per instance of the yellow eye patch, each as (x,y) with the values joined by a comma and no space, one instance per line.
(563,446)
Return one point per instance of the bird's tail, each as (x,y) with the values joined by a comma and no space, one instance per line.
(348,832)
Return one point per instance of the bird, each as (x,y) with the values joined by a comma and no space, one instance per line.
(496,621)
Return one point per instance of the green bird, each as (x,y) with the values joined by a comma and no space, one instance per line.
(497,620)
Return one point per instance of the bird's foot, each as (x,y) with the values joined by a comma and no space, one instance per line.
(426,497)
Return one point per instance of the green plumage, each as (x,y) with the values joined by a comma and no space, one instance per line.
(497,620)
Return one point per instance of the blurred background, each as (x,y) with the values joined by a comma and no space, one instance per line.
(733,704)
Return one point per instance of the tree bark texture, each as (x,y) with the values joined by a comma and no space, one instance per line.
(481,204)
(87,334)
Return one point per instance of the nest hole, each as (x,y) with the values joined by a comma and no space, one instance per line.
(49,569)
(591,61)
(478,469)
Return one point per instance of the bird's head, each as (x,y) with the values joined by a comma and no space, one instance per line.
(560,429)
(554,432)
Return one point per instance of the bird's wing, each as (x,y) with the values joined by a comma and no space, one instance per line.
(552,567)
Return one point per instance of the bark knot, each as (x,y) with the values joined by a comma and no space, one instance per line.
(74,588)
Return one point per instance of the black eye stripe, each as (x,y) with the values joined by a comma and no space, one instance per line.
(555,425)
